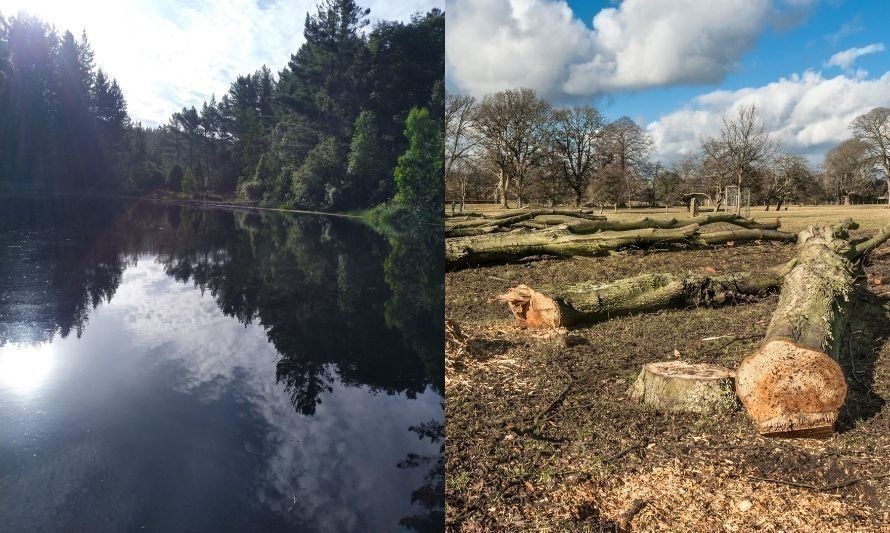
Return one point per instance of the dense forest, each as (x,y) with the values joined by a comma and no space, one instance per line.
(352,121)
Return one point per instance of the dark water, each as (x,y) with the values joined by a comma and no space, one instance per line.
(179,369)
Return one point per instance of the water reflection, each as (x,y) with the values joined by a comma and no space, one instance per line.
(201,369)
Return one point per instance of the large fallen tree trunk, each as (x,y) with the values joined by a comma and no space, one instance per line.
(507,219)
(792,386)
(560,241)
(585,303)
(723,237)
(623,225)
(505,247)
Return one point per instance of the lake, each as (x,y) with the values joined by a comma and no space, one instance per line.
(173,368)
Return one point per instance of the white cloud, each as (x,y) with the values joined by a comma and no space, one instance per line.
(846,58)
(498,44)
(173,53)
(807,113)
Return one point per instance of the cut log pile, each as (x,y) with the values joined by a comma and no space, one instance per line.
(583,222)
(566,233)
(792,386)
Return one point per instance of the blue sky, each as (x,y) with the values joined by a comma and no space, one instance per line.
(167,54)
(676,66)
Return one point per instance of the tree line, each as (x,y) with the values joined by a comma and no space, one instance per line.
(513,146)
(64,122)
(340,127)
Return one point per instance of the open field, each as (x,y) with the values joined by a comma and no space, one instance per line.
(542,435)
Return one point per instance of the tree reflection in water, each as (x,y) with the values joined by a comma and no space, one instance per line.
(337,301)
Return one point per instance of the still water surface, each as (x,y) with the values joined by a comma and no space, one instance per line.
(180,369)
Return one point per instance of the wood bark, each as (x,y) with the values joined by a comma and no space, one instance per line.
(792,386)
(701,220)
(723,237)
(505,247)
(588,302)
(677,386)
(561,241)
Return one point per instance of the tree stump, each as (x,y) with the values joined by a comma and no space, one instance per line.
(686,387)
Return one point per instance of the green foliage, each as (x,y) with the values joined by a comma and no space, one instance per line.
(364,167)
(190,182)
(63,123)
(146,176)
(174,178)
(250,190)
(316,184)
(418,175)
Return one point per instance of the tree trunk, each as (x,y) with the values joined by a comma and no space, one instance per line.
(492,223)
(560,241)
(588,302)
(724,237)
(792,385)
(693,207)
(620,225)
(502,188)
(685,387)
(505,247)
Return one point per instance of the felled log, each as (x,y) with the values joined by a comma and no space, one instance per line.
(472,231)
(686,387)
(509,218)
(504,247)
(587,302)
(792,386)
(722,237)
(701,220)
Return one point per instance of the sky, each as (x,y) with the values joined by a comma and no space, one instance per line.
(167,54)
(677,66)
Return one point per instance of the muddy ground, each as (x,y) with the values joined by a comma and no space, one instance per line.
(542,435)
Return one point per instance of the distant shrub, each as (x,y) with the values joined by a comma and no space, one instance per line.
(251,190)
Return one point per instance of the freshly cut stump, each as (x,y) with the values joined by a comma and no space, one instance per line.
(686,387)
(791,390)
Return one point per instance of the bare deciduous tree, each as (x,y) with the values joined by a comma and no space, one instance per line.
(460,141)
(512,124)
(788,178)
(740,151)
(848,171)
(574,135)
(873,129)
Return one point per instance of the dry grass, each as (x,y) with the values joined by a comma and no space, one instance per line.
(512,464)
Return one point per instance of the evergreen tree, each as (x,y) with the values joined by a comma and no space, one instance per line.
(363,168)
(190,182)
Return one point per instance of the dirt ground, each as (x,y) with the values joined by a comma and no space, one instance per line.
(542,435)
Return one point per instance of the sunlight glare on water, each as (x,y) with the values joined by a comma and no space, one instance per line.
(24,367)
